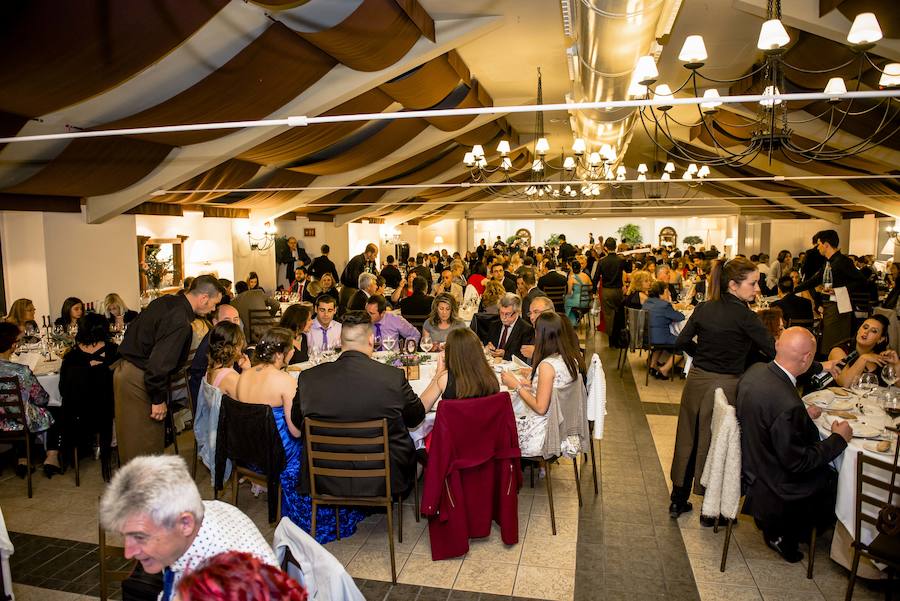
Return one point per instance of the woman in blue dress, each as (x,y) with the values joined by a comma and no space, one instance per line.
(577,280)
(266,383)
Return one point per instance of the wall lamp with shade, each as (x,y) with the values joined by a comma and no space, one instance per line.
(894,232)
(438,240)
(262,238)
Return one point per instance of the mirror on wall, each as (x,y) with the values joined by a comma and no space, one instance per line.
(161,263)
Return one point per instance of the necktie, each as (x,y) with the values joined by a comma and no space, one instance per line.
(377,331)
(324,338)
(168,584)
(503,337)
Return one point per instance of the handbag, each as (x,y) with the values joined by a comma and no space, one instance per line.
(888,522)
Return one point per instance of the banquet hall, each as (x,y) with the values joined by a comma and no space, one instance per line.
(410,168)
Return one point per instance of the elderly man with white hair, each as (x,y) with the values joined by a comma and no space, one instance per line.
(368,285)
(156,507)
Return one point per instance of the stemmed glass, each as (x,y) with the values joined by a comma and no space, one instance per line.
(889,374)
(389,342)
(379,343)
(865,384)
(698,296)
(426,343)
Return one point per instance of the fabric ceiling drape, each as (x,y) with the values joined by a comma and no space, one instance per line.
(233,173)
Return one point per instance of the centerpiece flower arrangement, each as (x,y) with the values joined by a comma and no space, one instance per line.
(154,268)
(408,362)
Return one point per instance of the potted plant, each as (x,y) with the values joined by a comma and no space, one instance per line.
(155,269)
(690,240)
(630,234)
(552,241)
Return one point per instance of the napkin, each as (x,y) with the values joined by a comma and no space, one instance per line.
(518,362)
(29,359)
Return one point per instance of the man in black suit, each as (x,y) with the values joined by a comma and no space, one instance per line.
(527,288)
(423,271)
(792,306)
(367,286)
(552,278)
(566,250)
(322,265)
(505,337)
(391,274)
(378,391)
(418,303)
(498,273)
(785,466)
(359,264)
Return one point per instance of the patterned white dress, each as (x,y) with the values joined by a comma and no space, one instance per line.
(530,425)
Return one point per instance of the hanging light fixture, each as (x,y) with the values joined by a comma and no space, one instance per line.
(771,130)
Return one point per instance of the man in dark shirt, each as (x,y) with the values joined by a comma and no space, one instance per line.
(566,250)
(359,264)
(792,306)
(379,391)
(481,248)
(836,326)
(499,274)
(552,278)
(156,346)
(611,268)
(418,303)
(527,289)
(322,265)
(423,271)
(390,273)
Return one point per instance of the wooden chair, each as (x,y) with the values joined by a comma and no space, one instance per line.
(12,405)
(557,294)
(416,321)
(540,462)
(638,335)
(109,558)
(258,321)
(584,302)
(883,548)
(238,439)
(380,461)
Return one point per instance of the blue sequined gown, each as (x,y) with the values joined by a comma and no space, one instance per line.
(297,507)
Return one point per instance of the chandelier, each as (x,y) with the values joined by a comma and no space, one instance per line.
(262,238)
(565,186)
(736,139)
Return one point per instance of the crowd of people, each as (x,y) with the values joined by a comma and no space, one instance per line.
(529,302)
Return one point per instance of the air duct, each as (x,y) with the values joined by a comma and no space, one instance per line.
(611,36)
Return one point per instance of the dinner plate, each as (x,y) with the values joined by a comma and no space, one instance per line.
(822,398)
(865,430)
(841,405)
(871,446)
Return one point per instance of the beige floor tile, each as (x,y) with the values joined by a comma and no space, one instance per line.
(725,592)
(566,507)
(374,564)
(492,548)
(703,541)
(566,528)
(486,577)
(561,487)
(549,552)
(793,595)
(545,583)
(423,571)
(706,570)
(779,574)
(33,593)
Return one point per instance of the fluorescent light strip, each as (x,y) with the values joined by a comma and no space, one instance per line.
(301,121)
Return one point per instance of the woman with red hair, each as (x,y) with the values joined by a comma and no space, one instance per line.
(236,576)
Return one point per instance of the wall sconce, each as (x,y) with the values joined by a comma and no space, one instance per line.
(894,232)
(438,240)
(262,239)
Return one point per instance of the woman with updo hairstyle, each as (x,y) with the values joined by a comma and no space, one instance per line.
(297,319)
(725,330)
(238,576)
(86,389)
(266,383)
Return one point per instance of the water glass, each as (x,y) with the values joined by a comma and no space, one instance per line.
(889,374)
(389,342)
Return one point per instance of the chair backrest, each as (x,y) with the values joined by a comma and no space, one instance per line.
(587,295)
(12,406)
(481,325)
(873,485)
(247,434)
(638,329)
(557,295)
(259,320)
(417,321)
(347,444)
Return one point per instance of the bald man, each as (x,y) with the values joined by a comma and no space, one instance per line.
(786,467)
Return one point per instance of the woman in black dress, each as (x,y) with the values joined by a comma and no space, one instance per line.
(462,371)
(86,388)
(297,319)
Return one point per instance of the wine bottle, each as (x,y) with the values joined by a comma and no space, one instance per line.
(825,379)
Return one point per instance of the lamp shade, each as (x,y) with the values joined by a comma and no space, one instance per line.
(836,86)
(865,30)
(506,164)
(438,240)
(713,101)
(670,167)
(569,164)
(537,165)
(477,151)
(594,159)
(693,51)
(663,92)
(645,71)
(503,147)
(703,172)
(772,36)
(468,159)
(769,102)
(642,168)
(542,146)
(578,147)
(891,76)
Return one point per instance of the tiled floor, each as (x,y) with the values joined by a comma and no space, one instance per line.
(620,545)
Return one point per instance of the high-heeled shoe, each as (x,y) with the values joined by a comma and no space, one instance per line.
(51,470)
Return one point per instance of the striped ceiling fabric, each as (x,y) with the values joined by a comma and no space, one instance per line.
(233,173)
(55,54)
(95,166)
(259,80)
(280,178)
(375,36)
(425,86)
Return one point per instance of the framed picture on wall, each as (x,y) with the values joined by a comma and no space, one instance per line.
(309,232)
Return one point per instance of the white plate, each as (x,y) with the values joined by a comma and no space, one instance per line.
(841,405)
(870,446)
(822,398)
(865,430)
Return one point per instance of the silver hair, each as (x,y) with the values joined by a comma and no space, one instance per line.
(365,279)
(511,300)
(545,300)
(159,486)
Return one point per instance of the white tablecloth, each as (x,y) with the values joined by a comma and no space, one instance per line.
(6,549)
(47,373)
(845,506)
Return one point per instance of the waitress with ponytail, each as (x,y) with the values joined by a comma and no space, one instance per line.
(726,330)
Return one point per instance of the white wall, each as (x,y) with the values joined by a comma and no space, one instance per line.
(796,235)
(863,236)
(446,229)
(90,260)
(25,260)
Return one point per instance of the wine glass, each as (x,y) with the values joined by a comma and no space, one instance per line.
(889,374)
(315,357)
(379,343)
(426,343)
(389,342)
(699,296)
(866,383)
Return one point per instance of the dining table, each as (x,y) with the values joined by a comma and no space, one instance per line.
(868,419)
(46,369)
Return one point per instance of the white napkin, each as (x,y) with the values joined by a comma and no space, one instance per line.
(29,359)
